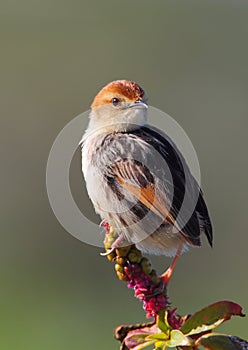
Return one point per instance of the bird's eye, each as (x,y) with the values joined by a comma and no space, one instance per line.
(115,101)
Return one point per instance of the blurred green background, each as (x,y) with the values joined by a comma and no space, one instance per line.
(191,57)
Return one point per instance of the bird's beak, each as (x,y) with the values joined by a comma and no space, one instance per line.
(136,104)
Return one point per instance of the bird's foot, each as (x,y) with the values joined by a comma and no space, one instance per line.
(108,252)
(166,276)
(117,244)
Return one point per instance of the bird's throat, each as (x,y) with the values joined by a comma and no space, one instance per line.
(122,121)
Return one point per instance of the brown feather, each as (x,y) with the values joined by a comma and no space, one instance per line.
(119,88)
(147,196)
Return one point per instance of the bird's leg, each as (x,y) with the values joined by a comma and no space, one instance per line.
(117,244)
(166,276)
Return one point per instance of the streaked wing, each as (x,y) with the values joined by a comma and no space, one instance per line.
(186,189)
(136,179)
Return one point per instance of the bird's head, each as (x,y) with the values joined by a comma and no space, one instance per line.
(119,106)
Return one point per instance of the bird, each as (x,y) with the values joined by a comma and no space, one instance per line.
(138,180)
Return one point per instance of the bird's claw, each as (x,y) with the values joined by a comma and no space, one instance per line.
(108,252)
(165,277)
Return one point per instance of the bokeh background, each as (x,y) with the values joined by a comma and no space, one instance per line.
(191,57)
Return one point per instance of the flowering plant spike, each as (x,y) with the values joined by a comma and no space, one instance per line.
(167,330)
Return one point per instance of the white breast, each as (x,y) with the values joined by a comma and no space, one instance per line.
(95,182)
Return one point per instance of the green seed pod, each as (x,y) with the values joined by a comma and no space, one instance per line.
(108,241)
(119,268)
(111,256)
(139,254)
(122,252)
(135,256)
(146,266)
(120,261)
(121,276)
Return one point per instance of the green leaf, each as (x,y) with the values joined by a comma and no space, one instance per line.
(221,342)
(143,346)
(210,317)
(162,322)
(177,338)
(157,336)
(135,339)
(160,345)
